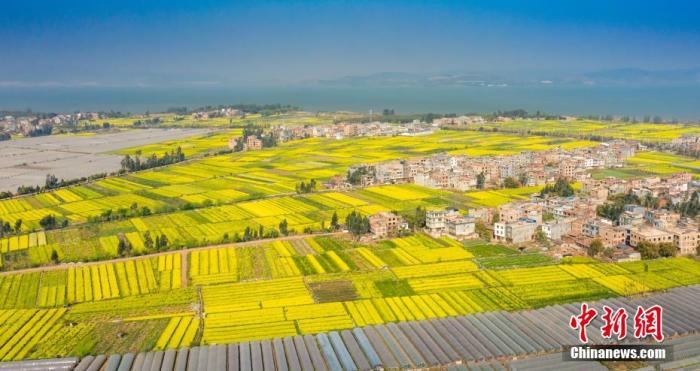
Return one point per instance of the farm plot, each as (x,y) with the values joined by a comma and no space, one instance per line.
(180,332)
(316,302)
(424,249)
(22,329)
(513,260)
(213,266)
(22,242)
(529,276)
(19,290)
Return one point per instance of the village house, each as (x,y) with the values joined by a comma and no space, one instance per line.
(646,233)
(626,254)
(385,224)
(603,230)
(449,222)
(661,218)
(483,214)
(515,232)
(390,172)
(686,238)
(252,143)
(632,215)
(200,116)
(459,121)
(520,210)
(557,228)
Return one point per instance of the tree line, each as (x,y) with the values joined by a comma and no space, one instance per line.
(47,222)
(304,187)
(135,163)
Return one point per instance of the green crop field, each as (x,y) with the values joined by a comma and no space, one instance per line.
(301,285)
(298,286)
(647,132)
(249,189)
(649,163)
(192,146)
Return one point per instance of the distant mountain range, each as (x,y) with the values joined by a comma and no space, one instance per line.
(623,76)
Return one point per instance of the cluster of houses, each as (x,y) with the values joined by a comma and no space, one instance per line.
(688,143)
(573,220)
(344,130)
(571,223)
(462,173)
(475,120)
(459,121)
(222,112)
(27,124)
(285,133)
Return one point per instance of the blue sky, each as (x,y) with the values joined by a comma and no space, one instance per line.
(108,42)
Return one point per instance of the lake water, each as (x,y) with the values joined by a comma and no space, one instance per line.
(669,102)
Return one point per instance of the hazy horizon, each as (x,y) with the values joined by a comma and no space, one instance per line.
(668,102)
(275,43)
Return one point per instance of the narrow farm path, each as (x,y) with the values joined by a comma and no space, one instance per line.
(184,268)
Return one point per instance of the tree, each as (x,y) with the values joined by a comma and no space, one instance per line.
(51,181)
(334,221)
(667,250)
(648,250)
(123,247)
(163,241)
(541,237)
(54,256)
(561,188)
(18,225)
(613,210)
(481,180)
(147,240)
(483,232)
(522,179)
(355,175)
(420,217)
(510,182)
(357,224)
(48,222)
(609,253)
(595,248)
(691,207)
(284,227)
